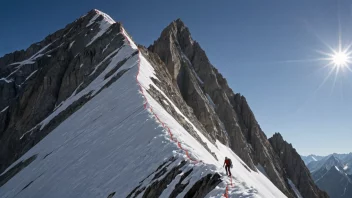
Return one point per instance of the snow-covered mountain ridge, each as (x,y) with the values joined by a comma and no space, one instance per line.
(95,115)
(332,173)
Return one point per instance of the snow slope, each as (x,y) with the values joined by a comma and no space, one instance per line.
(118,138)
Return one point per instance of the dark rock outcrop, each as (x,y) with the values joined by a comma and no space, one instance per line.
(295,168)
(202,187)
(164,175)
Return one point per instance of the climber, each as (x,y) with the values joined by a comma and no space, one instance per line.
(228,165)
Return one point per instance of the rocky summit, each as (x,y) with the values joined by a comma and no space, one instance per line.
(86,112)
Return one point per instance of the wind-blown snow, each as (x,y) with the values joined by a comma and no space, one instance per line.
(71,44)
(4,109)
(6,80)
(194,72)
(103,25)
(293,186)
(112,143)
(32,59)
(29,61)
(92,20)
(30,75)
(106,47)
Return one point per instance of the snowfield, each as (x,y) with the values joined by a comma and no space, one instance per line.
(113,142)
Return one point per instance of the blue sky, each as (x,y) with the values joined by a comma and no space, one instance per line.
(252,43)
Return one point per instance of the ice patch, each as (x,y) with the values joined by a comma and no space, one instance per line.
(71,44)
(165,102)
(262,170)
(30,75)
(106,47)
(211,101)
(4,109)
(298,194)
(68,32)
(194,72)
(92,20)
(6,80)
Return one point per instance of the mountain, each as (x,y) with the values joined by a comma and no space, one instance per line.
(344,160)
(332,174)
(88,113)
(296,170)
(311,158)
(332,178)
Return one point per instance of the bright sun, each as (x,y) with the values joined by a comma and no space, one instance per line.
(340,59)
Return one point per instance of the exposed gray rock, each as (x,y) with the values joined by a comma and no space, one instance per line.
(164,175)
(202,187)
(295,168)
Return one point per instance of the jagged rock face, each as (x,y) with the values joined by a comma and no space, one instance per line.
(295,168)
(165,83)
(215,105)
(169,47)
(34,82)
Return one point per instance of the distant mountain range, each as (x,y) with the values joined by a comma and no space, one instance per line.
(332,173)
(311,158)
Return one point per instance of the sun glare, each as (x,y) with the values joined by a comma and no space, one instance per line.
(340,59)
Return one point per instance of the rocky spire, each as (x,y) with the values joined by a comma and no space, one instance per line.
(295,168)
(186,61)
